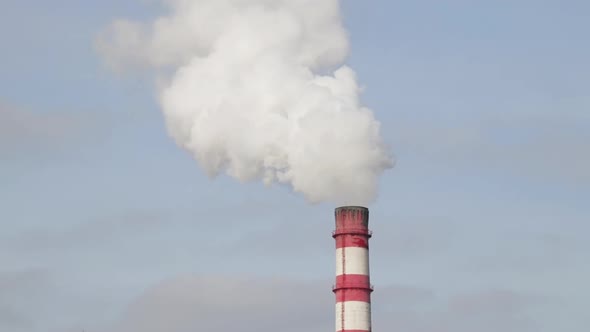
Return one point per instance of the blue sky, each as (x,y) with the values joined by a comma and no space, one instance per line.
(105,224)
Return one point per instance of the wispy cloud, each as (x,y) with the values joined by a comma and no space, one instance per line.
(24,132)
(94,233)
(546,146)
(222,304)
(481,310)
(230,304)
(20,292)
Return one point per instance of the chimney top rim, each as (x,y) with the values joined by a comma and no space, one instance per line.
(352,207)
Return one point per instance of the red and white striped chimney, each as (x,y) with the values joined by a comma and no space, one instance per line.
(353,285)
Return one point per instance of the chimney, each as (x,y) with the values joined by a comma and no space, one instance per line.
(353,286)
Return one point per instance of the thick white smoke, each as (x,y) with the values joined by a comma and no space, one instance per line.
(246,95)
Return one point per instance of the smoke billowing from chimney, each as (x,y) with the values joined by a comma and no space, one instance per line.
(251,91)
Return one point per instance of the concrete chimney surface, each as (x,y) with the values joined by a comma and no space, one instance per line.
(353,286)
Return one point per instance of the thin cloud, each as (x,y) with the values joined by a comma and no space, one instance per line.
(220,304)
(538,145)
(20,294)
(95,233)
(24,132)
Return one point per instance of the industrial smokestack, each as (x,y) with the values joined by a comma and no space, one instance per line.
(353,285)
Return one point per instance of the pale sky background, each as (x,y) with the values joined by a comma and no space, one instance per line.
(107,226)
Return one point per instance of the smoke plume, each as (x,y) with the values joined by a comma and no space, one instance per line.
(257,89)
